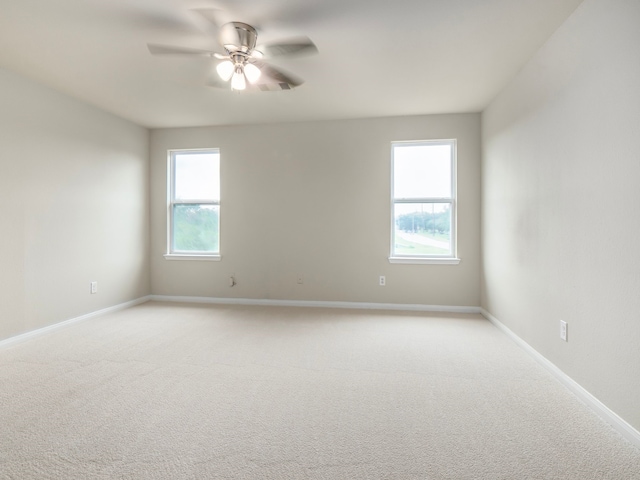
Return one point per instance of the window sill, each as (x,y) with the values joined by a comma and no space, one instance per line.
(425,261)
(206,258)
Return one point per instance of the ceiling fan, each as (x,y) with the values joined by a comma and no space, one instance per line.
(242,64)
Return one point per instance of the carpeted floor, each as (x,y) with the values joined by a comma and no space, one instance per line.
(170,391)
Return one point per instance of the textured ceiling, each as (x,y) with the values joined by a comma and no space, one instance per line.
(376,57)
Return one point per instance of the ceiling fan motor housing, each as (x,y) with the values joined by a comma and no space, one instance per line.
(238,37)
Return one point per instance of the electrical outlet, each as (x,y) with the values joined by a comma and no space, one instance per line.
(563,330)
(383,281)
(300,279)
(94,287)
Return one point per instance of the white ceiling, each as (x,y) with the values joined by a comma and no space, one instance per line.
(376,57)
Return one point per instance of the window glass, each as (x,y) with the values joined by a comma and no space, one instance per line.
(421,171)
(194,203)
(423,199)
(195,228)
(196,176)
(422,229)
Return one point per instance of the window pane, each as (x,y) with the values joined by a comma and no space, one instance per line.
(195,228)
(422,171)
(422,229)
(197,176)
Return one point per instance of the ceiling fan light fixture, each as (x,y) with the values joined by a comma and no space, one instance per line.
(225,70)
(252,72)
(237,81)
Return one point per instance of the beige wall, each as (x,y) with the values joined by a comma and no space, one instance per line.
(561,198)
(313,198)
(74,190)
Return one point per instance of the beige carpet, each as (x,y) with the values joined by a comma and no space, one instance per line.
(208,392)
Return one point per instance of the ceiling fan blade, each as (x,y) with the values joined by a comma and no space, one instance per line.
(275,79)
(212,15)
(271,79)
(156,49)
(293,46)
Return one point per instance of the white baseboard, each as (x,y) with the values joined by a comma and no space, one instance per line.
(238,301)
(41,331)
(604,412)
(313,303)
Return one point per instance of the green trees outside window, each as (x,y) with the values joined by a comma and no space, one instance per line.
(195,228)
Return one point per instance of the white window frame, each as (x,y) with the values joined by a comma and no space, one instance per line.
(171,201)
(451,258)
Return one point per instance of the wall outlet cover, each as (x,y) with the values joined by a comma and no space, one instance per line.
(563,330)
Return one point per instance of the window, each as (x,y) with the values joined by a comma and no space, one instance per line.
(194,205)
(423,197)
